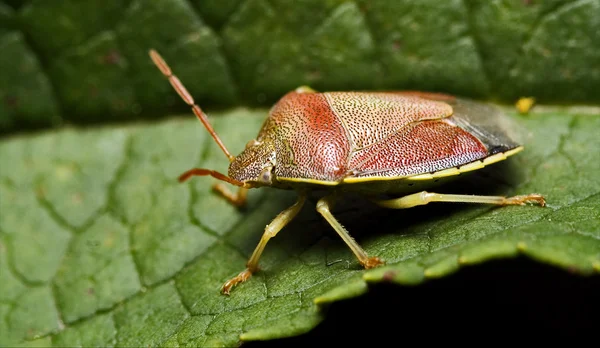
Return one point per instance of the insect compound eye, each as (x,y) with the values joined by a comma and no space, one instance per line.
(252,142)
(266,176)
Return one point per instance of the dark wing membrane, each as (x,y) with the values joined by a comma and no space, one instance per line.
(422,147)
(488,123)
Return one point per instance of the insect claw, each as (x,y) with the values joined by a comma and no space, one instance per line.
(240,278)
(537,198)
(533,198)
(372,262)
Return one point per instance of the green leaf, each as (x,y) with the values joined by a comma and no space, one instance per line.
(100,246)
(86,61)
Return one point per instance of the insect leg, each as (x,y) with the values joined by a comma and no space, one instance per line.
(238,198)
(305,89)
(270,231)
(324,206)
(209,172)
(422,198)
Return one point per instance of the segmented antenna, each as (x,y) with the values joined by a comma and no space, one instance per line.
(188,99)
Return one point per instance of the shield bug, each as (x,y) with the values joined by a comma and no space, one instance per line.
(373,143)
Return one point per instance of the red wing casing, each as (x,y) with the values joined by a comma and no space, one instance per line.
(422,147)
(336,135)
(473,132)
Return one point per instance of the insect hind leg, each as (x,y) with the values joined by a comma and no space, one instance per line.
(424,197)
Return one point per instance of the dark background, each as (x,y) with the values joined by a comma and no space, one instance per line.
(506,301)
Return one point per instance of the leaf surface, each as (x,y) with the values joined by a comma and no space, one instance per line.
(86,61)
(100,246)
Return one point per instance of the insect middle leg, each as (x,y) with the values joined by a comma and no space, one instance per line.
(324,207)
(270,231)
(422,198)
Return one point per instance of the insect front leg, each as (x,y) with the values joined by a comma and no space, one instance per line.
(324,207)
(422,198)
(238,198)
(270,231)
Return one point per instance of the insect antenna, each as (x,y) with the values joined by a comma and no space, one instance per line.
(188,99)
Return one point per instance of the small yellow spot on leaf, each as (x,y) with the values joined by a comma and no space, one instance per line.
(524,105)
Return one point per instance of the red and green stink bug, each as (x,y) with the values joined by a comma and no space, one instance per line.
(367,142)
